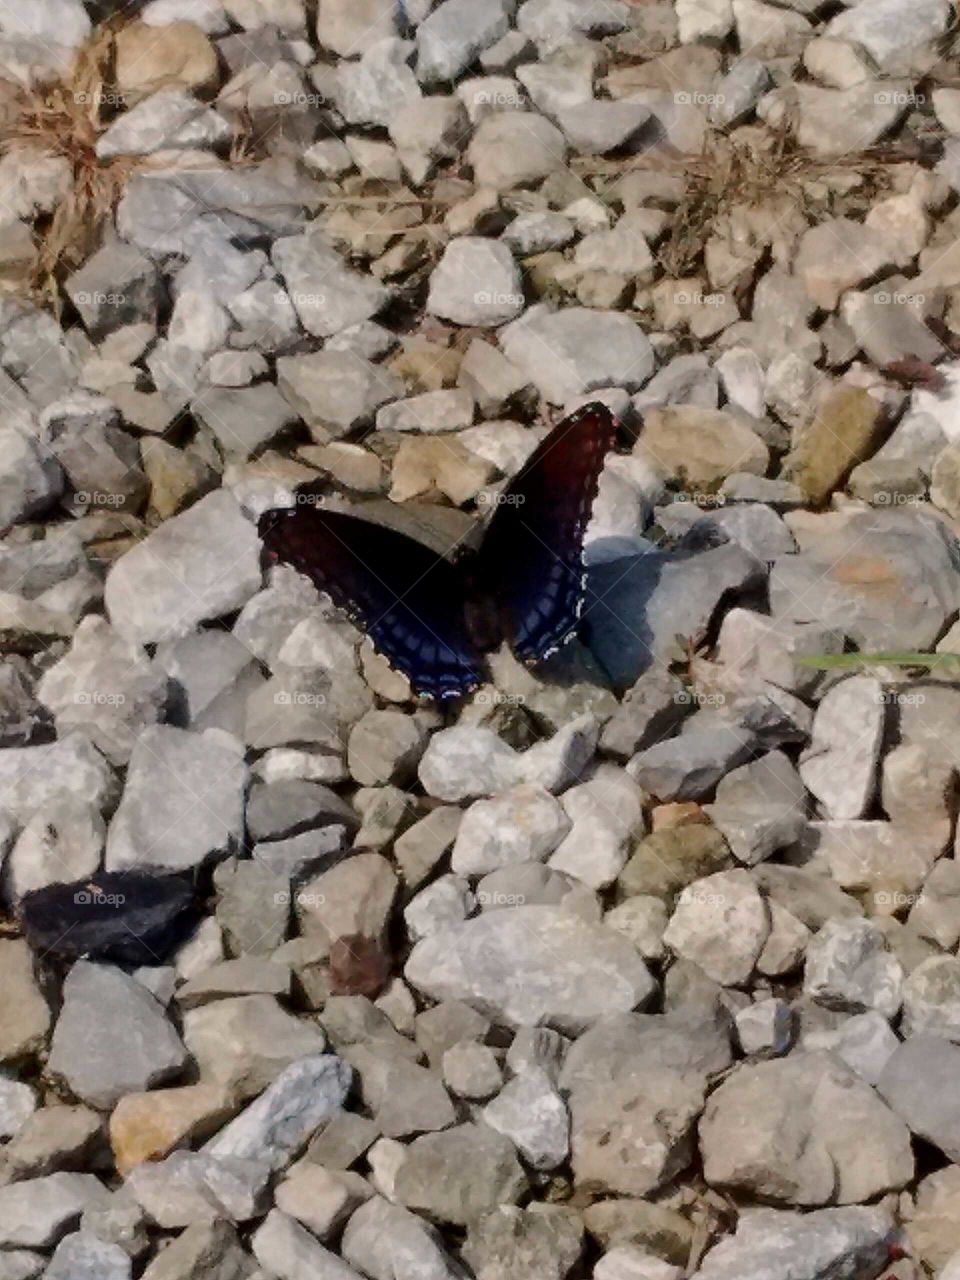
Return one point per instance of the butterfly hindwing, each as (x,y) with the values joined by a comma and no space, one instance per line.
(409,600)
(532,554)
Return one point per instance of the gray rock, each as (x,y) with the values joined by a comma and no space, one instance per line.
(650,711)
(31,480)
(17,1104)
(739,91)
(322,1200)
(552,21)
(97,997)
(536,232)
(471,1070)
(530,1112)
(335,392)
(243,419)
(514,149)
(81,1256)
(921,1082)
(283,1119)
(931,999)
(454,1176)
(720,923)
(327,295)
(840,766)
(849,967)
(63,842)
(285,1249)
(35,1214)
(910,556)
(464,762)
(404,1097)
(387,1242)
(760,807)
(104,686)
(428,413)
(20,1264)
(567,353)
(635,1134)
(543,1240)
(597,126)
(168,120)
(441,905)
(371,90)
(864,1042)
(455,34)
(816,1133)
(195,567)
(117,286)
(765,1029)
(201,1251)
(189,1188)
(881,31)
(246,1042)
(175,771)
(532,965)
(771,1242)
(476,282)
(689,766)
(522,825)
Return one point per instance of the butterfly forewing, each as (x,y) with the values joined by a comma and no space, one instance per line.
(409,600)
(531,558)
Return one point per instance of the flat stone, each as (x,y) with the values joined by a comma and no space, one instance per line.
(931,999)
(173,770)
(96,996)
(849,967)
(544,1240)
(453,1176)
(36,1213)
(243,1044)
(327,295)
(476,282)
(380,1232)
(840,765)
(568,353)
(760,807)
(335,392)
(721,924)
(82,1255)
(514,149)
(597,127)
(372,89)
(321,1199)
(920,1083)
(805,1246)
(530,1112)
(811,1155)
(195,567)
(454,34)
(284,1248)
(549,955)
(24,1013)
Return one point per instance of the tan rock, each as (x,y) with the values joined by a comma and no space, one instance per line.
(151,58)
(700,447)
(839,435)
(148,1126)
(24,1014)
(175,476)
(838,254)
(945,481)
(426,366)
(431,464)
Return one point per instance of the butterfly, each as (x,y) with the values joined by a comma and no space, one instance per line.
(435,618)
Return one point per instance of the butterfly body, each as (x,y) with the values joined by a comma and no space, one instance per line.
(434,618)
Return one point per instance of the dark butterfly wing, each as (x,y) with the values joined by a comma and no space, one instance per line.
(531,558)
(409,600)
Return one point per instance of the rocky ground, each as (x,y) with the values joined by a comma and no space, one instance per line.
(641,967)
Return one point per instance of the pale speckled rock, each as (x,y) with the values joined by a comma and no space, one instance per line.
(840,766)
(849,967)
(524,824)
(931,998)
(771,1242)
(531,965)
(453,1176)
(760,807)
(83,1255)
(35,1214)
(476,282)
(380,1235)
(533,1115)
(196,566)
(920,1082)
(816,1134)
(720,923)
(284,1248)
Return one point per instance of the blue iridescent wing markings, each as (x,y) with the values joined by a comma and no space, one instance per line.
(531,558)
(409,600)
